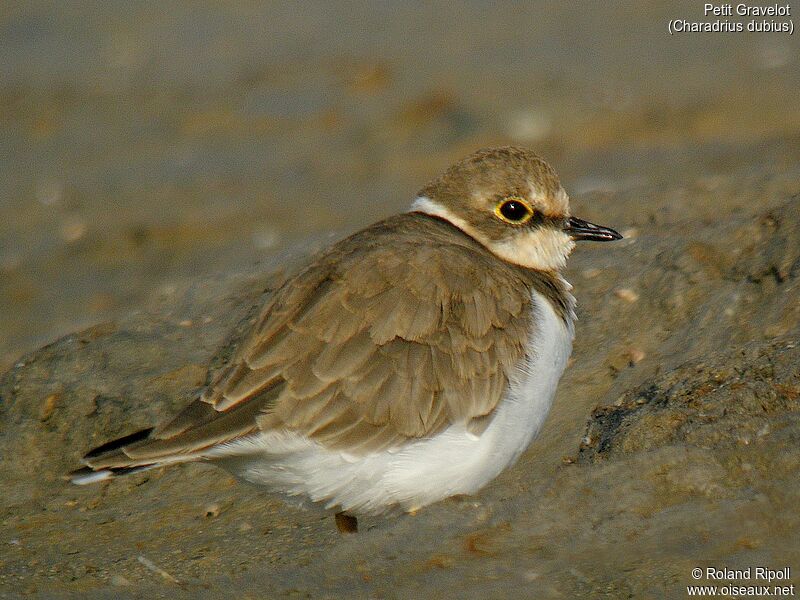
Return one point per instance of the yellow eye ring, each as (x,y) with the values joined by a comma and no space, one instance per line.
(513,210)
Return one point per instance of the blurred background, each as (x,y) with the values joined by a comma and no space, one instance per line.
(158,159)
(147,143)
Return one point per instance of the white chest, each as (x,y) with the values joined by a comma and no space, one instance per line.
(456,462)
(453,462)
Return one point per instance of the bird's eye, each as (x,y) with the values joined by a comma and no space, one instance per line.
(514,210)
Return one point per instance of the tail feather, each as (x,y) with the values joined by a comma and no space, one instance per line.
(114,459)
(191,436)
(118,444)
(109,460)
(88,475)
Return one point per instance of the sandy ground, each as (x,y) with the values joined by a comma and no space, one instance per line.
(158,167)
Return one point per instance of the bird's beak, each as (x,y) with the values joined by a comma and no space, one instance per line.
(579,229)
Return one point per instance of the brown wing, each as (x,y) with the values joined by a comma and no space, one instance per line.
(382,340)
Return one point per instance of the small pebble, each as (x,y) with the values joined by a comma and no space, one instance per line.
(627,294)
(630,233)
(212,511)
(186,323)
(48,407)
(590,273)
(636,355)
(73,231)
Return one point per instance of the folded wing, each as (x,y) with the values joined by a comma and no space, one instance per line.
(380,341)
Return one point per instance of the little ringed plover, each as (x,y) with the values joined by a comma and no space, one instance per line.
(412,361)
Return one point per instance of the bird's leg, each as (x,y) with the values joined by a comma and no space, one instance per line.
(346,523)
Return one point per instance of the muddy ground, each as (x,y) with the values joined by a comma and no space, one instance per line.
(163,168)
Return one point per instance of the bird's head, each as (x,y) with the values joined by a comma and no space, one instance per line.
(511,201)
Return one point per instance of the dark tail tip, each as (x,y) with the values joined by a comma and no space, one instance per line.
(119,443)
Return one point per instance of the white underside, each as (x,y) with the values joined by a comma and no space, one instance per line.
(452,462)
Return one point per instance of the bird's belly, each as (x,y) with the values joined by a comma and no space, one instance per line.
(452,462)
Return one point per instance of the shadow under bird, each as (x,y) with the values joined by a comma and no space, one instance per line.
(412,361)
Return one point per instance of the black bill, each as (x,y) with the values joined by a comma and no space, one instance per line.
(583,230)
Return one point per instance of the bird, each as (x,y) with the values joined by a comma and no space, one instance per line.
(410,362)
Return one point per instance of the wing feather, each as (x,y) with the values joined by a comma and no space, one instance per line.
(392,335)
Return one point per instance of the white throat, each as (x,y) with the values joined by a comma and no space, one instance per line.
(543,249)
